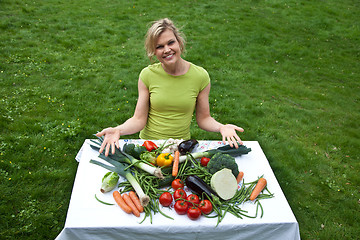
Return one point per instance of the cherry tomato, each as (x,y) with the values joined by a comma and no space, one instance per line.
(181,207)
(193,213)
(204,161)
(179,193)
(150,146)
(205,207)
(193,198)
(177,183)
(166,199)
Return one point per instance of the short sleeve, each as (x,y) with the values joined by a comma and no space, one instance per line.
(144,76)
(205,79)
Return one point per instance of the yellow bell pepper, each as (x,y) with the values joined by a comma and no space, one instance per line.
(164,159)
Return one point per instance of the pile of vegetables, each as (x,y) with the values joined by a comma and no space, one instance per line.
(198,184)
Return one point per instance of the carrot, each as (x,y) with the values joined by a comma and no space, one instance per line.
(175,168)
(120,201)
(239,177)
(261,184)
(131,204)
(136,201)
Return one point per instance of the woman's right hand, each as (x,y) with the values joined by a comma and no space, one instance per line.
(111,140)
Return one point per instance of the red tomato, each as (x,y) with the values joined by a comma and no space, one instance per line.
(193,213)
(205,207)
(179,193)
(181,207)
(150,145)
(193,198)
(166,199)
(177,183)
(204,161)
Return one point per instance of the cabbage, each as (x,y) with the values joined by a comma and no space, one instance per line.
(109,182)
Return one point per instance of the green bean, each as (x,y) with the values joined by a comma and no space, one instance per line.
(234,211)
(225,211)
(150,186)
(162,213)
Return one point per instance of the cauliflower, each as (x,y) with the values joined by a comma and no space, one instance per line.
(172,145)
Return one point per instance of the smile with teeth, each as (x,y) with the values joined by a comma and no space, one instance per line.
(169,56)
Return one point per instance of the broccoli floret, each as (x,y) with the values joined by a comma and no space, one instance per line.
(220,161)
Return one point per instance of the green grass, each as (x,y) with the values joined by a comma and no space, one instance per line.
(286,71)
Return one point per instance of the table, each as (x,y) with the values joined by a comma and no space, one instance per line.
(89,219)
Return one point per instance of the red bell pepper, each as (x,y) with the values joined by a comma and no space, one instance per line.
(150,146)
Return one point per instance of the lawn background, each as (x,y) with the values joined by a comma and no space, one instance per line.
(285,71)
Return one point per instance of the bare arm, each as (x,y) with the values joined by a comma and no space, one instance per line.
(208,123)
(133,125)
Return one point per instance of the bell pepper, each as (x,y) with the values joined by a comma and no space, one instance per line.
(164,159)
(150,146)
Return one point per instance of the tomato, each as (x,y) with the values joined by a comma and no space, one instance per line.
(193,213)
(204,161)
(179,193)
(181,207)
(150,146)
(205,207)
(166,199)
(193,198)
(177,183)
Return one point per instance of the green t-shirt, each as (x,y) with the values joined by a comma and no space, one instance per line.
(172,101)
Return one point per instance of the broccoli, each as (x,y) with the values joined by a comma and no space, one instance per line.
(220,161)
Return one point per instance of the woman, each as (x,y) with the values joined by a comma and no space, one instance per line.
(169,92)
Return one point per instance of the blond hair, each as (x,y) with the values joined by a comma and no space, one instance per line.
(153,33)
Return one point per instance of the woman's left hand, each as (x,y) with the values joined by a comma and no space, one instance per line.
(229,134)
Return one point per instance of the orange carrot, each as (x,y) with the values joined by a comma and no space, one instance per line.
(261,184)
(136,201)
(175,168)
(131,204)
(120,201)
(239,177)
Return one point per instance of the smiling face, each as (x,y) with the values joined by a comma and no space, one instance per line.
(167,49)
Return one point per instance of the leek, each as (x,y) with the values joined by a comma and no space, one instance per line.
(123,157)
(234,152)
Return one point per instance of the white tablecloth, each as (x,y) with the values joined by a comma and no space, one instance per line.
(89,219)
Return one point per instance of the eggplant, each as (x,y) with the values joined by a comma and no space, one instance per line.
(187,146)
(200,187)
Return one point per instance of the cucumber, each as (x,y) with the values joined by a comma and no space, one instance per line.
(166,181)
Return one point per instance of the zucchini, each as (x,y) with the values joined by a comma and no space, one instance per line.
(166,181)
(198,185)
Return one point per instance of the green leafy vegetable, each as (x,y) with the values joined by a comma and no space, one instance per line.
(134,150)
(109,182)
(122,170)
(149,157)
